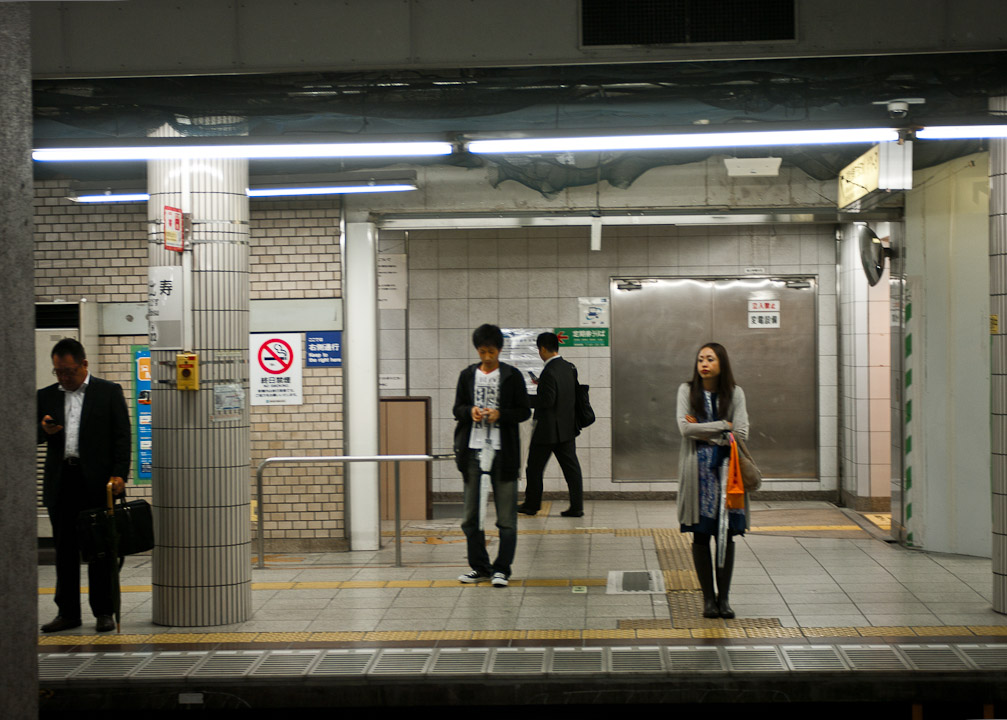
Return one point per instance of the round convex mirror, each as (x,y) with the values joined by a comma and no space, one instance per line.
(872,254)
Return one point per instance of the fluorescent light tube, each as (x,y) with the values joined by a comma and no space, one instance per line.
(961,132)
(684,140)
(112,198)
(331,190)
(252,152)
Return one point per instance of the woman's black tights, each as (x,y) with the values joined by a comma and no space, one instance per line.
(714,605)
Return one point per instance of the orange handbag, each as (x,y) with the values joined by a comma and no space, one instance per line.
(735,486)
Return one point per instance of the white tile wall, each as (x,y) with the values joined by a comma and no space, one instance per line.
(532,278)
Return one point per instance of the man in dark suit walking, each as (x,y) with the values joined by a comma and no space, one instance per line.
(555,429)
(84,422)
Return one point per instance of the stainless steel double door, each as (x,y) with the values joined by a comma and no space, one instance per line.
(768,327)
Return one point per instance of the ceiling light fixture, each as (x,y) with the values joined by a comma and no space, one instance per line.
(326,190)
(961,132)
(259,151)
(110,198)
(755,138)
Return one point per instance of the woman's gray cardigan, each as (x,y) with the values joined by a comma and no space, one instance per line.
(688,461)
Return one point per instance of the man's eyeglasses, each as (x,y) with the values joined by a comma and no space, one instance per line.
(66,372)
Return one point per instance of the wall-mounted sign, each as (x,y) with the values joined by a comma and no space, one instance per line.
(594,311)
(174,229)
(324,348)
(887,166)
(764,314)
(274,369)
(393,284)
(164,307)
(582,337)
(143,415)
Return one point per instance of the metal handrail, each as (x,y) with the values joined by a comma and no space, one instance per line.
(342,459)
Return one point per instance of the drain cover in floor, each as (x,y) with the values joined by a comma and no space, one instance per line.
(624,582)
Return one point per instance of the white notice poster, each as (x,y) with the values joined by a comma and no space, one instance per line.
(275,365)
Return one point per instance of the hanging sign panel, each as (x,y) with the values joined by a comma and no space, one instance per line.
(274,363)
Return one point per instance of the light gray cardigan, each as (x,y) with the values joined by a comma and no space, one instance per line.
(688,461)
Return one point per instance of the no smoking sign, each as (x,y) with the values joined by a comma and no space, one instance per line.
(275,368)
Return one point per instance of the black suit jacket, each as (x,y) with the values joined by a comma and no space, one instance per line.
(104,442)
(555,420)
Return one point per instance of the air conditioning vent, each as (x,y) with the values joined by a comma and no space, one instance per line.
(686,22)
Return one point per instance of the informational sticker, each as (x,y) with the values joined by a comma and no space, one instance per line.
(324,349)
(164,307)
(594,311)
(143,414)
(228,402)
(274,369)
(393,284)
(764,314)
(582,337)
(174,232)
(521,351)
(392,381)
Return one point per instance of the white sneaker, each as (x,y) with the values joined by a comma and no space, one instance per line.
(472,576)
(499,580)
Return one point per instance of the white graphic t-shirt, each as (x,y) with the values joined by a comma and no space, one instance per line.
(486,395)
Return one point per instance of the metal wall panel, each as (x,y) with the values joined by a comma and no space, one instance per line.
(658,324)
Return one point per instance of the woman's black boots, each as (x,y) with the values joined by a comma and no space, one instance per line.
(704,571)
(724,583)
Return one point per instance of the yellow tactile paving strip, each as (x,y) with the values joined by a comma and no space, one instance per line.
(681,585)
(641,633)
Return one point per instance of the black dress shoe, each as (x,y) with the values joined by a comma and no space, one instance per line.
(572,513)
(525,510)
(60,623)
(105,623)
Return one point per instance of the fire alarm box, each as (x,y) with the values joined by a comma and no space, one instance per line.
(187,367)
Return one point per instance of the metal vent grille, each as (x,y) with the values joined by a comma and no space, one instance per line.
(60,666)
(228,664)
(518,661)
(578,660)
(343,662)
(819,658)
(934,657)
(986,657)
(636,660)
(460,662)
(628,582)
(170,664)
(402,662)
(757,659)
(695,659)
(873,657)
(286,663)
(113,666)
(663,22)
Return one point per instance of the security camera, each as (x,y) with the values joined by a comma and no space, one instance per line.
(898,109)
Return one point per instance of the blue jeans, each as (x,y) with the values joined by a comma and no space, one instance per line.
(505,499)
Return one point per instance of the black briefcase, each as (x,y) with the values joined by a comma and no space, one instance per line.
(133,531)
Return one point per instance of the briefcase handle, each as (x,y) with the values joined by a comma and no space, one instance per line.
(108,491)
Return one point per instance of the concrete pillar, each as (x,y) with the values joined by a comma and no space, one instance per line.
(201,483)
(360,296)
(18,533)
(998,353)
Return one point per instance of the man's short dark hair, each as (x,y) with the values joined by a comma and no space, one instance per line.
(549,341)
(487,335)
(69,346)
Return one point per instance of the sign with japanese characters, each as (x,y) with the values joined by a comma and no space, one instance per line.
(324,348)
(174,233)
(142,413)
(274,366)
(582,337)
(164,307)
(764,314)
(393,283)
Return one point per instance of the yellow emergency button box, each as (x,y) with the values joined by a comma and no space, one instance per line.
(187,367)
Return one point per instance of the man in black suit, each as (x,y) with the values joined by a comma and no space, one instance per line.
(555,429)
(84,422)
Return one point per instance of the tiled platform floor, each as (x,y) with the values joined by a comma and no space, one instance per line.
(805,570)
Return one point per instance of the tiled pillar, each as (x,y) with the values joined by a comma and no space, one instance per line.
(360,293)
(18,569)
(201,484)
(998,307)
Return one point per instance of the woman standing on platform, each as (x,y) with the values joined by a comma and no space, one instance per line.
(709,406)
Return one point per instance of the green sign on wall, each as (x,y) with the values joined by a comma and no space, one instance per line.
(583,337)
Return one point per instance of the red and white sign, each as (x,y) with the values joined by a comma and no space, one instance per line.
(174,229)
(763,306)
(275,366)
